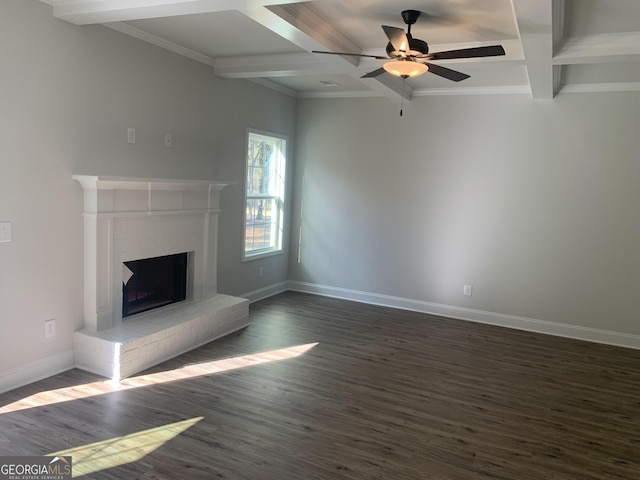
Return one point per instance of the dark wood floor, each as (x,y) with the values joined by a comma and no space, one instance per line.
(384,394)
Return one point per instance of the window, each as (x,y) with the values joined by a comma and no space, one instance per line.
(265,182)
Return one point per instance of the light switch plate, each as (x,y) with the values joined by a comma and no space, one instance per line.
(5,231)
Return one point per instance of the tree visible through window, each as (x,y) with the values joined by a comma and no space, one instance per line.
(265,181)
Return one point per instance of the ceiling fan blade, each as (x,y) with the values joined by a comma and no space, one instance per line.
(447,72)
(397,37)
(375,73)
(491,51)
(351,54)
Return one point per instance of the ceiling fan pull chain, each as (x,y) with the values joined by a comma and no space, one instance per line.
(404,79)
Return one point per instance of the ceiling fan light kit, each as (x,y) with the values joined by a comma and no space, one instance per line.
(405,68)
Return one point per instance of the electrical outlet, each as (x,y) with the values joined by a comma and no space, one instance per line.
(468,289)
(131,136)
(50,328)
(168,140)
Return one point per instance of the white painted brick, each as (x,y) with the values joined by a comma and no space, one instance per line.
(157,335)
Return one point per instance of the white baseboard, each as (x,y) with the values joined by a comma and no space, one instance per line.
(54,364)
(510,321)
(266,292)
(32,372)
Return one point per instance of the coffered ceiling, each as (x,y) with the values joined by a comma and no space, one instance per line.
(551,46)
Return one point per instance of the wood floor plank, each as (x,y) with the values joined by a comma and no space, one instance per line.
(377,393)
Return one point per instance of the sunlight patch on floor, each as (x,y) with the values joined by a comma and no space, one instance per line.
(122,450)
(78,392)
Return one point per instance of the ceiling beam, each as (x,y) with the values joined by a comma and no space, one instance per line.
(535,21)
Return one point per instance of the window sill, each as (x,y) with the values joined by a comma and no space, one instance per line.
(258,256)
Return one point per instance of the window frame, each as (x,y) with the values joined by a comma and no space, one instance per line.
(280,199)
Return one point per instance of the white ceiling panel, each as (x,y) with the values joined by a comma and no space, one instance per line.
(609,73)
(593,17)
(220,34)
(441,22)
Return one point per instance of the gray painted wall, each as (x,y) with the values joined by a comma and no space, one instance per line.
(536,204)
(68,95)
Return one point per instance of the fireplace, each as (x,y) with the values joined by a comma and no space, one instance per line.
(151,283)
(134,230)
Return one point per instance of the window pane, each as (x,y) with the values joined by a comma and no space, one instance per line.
(262,162)
(260,224)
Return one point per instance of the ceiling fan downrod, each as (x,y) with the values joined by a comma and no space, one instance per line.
(410,17)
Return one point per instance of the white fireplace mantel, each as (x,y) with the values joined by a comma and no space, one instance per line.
(129,218)
(148,195)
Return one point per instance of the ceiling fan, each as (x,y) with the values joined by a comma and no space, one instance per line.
(408,56)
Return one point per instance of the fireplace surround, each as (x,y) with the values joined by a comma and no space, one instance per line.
(127,219)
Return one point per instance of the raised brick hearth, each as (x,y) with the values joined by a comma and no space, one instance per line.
(154,336)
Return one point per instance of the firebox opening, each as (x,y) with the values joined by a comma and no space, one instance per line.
(153,282)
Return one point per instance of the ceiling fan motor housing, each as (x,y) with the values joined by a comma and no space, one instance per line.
(416,47)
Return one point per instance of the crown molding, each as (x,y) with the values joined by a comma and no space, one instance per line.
(265,82)
(342,94)
(497,90)
(127,29)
